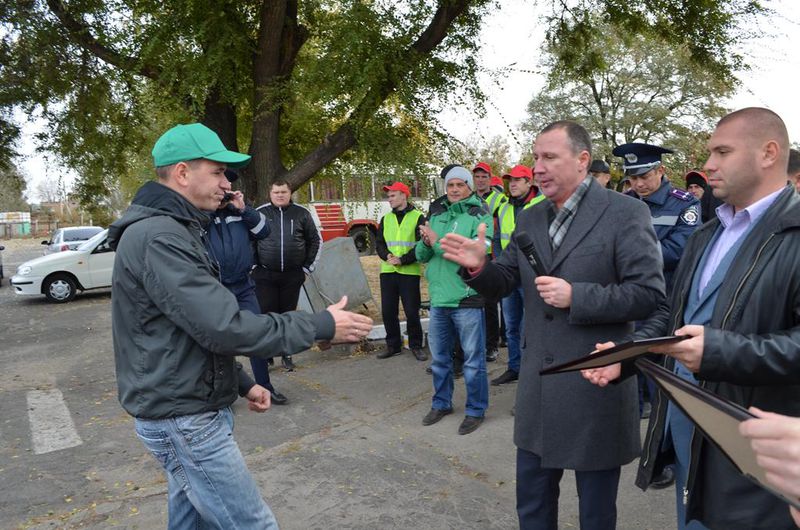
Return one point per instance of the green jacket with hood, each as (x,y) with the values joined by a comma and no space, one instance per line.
(445,286)
(176,328)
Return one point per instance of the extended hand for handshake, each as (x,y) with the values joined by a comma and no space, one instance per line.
(350,327)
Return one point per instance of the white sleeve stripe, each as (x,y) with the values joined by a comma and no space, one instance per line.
(263,220)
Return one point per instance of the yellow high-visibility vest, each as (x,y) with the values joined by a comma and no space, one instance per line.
(400,239)
(508,221)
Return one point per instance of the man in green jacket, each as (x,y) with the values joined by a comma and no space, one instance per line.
(455,308)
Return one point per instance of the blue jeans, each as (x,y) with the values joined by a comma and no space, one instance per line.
(209,484)
(680,429)
(513,312)
(468,323)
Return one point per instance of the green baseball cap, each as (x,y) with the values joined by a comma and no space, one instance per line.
(193,141)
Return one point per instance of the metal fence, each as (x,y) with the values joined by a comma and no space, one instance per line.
(35,228)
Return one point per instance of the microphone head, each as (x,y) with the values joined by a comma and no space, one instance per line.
(523,239)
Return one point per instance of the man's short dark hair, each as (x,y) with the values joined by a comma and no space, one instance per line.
(579,138)
(794,162)
(280,182)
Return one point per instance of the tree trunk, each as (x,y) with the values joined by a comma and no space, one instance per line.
(279,40)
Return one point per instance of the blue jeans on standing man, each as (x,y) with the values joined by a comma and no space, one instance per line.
(468,323)
(513,312)
(209,484)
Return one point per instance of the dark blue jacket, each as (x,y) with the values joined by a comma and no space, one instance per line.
(229,241)
(676,215)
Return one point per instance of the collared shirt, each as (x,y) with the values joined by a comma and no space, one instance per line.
(734,226)
(565,215)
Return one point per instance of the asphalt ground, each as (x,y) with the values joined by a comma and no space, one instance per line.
(348,451)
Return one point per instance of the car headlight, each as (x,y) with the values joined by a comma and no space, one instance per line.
(23,270)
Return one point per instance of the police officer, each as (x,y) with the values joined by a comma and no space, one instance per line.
(675,212)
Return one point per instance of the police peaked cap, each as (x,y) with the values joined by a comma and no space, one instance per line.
(639,158)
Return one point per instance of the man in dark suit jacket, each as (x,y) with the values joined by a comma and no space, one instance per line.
(604,271)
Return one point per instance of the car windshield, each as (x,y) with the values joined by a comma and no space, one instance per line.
(89,245)
(80,234)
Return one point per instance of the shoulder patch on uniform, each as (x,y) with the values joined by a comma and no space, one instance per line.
(691,215)
(681,194)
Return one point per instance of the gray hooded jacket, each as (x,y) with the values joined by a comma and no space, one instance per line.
(176,328)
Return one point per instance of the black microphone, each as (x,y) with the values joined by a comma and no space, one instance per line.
(525,244)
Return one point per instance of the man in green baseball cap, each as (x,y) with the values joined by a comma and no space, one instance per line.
(191,142)
(177,331)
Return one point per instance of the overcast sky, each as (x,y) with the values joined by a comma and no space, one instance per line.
(511,40)
(509,37)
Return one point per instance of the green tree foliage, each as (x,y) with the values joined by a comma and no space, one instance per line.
(495,151)
(306,87)
(12,190)
(635,88)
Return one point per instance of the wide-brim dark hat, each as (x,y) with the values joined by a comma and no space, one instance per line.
(599,166)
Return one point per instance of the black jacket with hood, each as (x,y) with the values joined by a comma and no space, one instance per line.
(176,328)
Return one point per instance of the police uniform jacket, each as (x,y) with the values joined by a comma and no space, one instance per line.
(676,215)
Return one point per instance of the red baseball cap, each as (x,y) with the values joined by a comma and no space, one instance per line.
(519,171)
(398,186)
(496,181)
(484,166)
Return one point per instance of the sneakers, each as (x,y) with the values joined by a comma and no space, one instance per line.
(491,355)
(288,364)
(429,370)
(420,355)
(506,377)
(435,415)
(469,424)
(277,398)
(388,352)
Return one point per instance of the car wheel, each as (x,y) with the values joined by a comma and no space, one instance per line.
(364,240)
(60,288)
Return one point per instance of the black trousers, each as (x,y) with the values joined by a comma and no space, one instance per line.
(245,293)
(396,287)
(278,292)
(538,490)
(492,319)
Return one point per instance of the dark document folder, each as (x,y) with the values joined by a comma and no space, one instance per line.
(717,418)
(619,353)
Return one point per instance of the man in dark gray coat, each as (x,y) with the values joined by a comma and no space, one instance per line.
(603,271)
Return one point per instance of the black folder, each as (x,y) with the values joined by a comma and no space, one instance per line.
(717,418)
(619,353)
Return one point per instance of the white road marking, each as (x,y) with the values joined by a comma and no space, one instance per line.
(52,428)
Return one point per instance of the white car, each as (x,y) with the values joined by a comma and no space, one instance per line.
(69,238)
(61,275)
